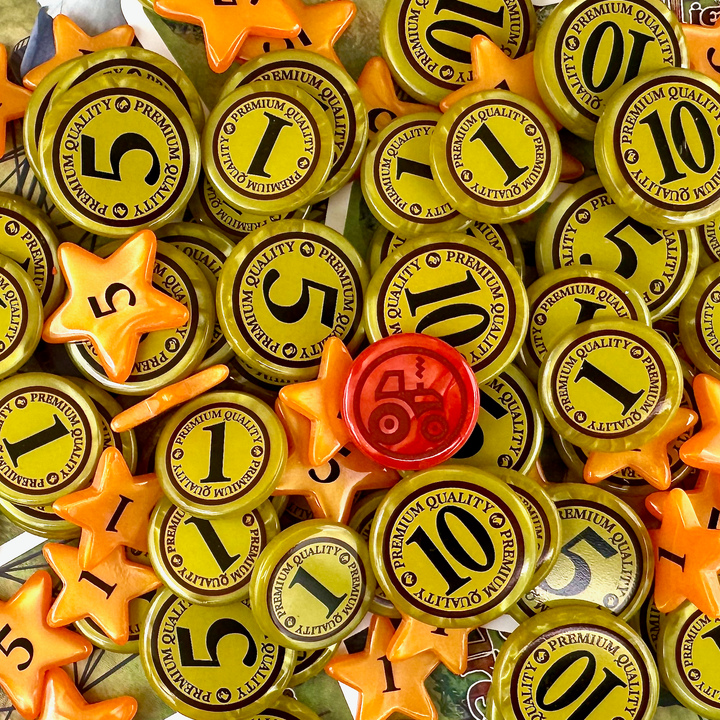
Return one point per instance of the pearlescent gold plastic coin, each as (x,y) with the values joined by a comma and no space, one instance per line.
(709,242)
(647,622)
(39,520)
(311,663)
(700,321)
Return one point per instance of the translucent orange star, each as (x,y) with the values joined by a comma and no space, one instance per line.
(113,511)
(386,687)
(449,645)
(687,558)
(63,701)
(381,100)
(228,23)
(322,25)
(112,302)
(13,99)
(702,450)
(705,499)
(320,401)
(71,42)
(31,647)
(102,594)
(703,44)
(650,461)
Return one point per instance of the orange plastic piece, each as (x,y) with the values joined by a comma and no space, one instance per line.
(13,98)
(702,450)
(31,647)
(63,701)
(705,499)
(386,687)
(320,401)
(381,100)
(228,23)
(449,645)
(71,42)
(570,168)
(169,397)
(322,25)
(703,44)
(687,558)
(112,302)
(650,461)
(102,594)
(113,511)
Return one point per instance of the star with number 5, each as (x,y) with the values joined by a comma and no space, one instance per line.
(703,45)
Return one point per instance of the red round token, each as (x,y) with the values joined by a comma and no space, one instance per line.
(410,401)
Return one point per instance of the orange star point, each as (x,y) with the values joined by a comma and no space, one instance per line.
(649,461)
(702,450)
(687,558)
(113,511)
(35,648)
(13,99)
(112,302)
(103,594)
(320,401)
(705,499)
(63,701)
(449,645)
(227,25)
(703,44)
(71,42)
(571,168)
(322,25)
(386,687)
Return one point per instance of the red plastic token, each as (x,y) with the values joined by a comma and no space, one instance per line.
(411,401)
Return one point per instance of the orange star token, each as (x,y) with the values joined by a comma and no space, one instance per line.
(650,461)
(386,687)
(703,44)
(112,302)
(13,99)
(103,594)
(702,450)
(320,400)
(449,645)
(113,511)
(63,701)
(71,42)
(687,558)
(227,23)
(705,499)
(30,647)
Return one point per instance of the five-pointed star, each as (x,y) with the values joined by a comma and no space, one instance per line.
(113,511)
(380,97)
(449,645)
(71,42)
(386,687)
(228,23)
(63,701)
(322,25)
(103,594)
(13,99)
(650,461)
(705,499)
(112,302)
(320,400)
(703,44)
(702,450)
(31,647)
(687,558)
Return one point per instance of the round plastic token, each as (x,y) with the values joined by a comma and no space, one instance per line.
(427,44)
(312,585)
(398,182)
(220,454)
(689,650)
(610,385)
(208,249)
(410,401)
(455,288)
(21,317)
(164,356)
(647,622)
(584,226)
(453,546)
(50,438)
(39,520)
(700,321)
(311,663)
(509,429)
(495,156)
(296,510)
(568,296)
(286,289)
(606,557)
(335,91)
(361,521)
(583,58)
(656,149)
(268,147)
(709,242)
(571,661)
(28,237)
(209,561)
(239,679)
(88,132)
